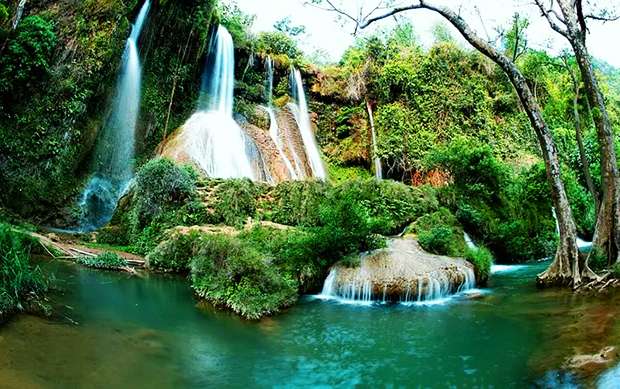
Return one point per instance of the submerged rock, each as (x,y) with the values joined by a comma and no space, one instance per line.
(401,272)
(591,365)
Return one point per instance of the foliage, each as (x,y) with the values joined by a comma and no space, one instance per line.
(27,57)
(104,261)
(277,43)
(159,185)
(173,254)
(228,272)
(482,259)
(439,233)
(20,283)
(235,201)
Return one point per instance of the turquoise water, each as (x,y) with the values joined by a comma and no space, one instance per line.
(114,330)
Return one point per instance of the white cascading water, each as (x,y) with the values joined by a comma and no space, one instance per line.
(114,153)
(469,242)
(300,109)
(274,130)
(375,149)
(427,289)
(213,140)
(582,245)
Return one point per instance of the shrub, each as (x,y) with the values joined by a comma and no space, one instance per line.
(482,259)
(615,270)
(297,203)
(437,240)
(104,261)
(28,54)
(440,233)
(20,283)
(228,272)
(598,259)
(173,254)
(160,184)
(235,201)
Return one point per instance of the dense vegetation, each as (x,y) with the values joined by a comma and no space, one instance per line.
(21,285)
(457,148)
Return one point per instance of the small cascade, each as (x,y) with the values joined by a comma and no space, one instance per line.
(114,152)
(583,245)
(383,277)
(469,242)
(300,109)
(212,138)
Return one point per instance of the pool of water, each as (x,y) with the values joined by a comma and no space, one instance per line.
(114,330)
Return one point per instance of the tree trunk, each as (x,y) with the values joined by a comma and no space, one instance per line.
(607,231)
(566,268)
(585,164)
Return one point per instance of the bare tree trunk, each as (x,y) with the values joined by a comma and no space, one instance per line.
(607,231)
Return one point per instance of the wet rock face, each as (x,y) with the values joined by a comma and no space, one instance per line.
(401,272)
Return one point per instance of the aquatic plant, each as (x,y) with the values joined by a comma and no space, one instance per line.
(104,261)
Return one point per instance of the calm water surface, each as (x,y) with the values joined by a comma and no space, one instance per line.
(130,332)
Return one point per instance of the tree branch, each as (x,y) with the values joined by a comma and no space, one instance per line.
(548,15)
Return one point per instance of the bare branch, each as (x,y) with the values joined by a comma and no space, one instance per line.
(548,14)
(603,18)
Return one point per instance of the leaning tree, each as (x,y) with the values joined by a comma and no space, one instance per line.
(569,18)
(567,268)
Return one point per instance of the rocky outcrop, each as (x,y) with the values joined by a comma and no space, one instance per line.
(269,151)
(400,272)
(292,143)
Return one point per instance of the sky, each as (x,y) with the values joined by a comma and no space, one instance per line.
(325,32)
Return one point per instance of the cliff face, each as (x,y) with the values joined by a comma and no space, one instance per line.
(58,69)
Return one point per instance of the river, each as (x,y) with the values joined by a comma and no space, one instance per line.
(115,330)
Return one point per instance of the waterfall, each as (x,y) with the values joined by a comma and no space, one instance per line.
(114,152)
(213,140)
(469,242)
(300,109)
(376,159)
(274,130)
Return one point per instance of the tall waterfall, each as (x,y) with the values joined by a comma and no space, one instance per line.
(114,153)
(214,141)
(300,109)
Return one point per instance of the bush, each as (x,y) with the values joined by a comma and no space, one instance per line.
(28,54)
(20,283)
(104,261)
(173,254)
(235,201)
(482,259)
(160,184)
(297,203)
(227,272)
(440,233)
(437,240)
